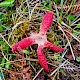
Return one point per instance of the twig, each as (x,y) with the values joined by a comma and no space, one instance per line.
(33,10)
(64,54)
(52,65)
(73,36)
(28,8)
(76,7)
(3,54)
(5,40)
(70,28)
(75,22)
(15,26)
(30,59)
(33,68)
(37,74)
(68,41)
(65,48)
(58,67)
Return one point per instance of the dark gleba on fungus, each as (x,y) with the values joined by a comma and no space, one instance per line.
(40,39)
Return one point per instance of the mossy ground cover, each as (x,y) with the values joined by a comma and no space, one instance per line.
(18,18)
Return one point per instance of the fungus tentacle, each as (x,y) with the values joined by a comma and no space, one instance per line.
(23,44)
(53,47)
(46,22)
(42,58)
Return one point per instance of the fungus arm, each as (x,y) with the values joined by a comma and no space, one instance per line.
(23,44)
(46,22)
(42,58)
(53,47)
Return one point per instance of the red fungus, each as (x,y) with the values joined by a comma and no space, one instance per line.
(40,39)
(53,47)
(46,22)
(42,58)
(23,44)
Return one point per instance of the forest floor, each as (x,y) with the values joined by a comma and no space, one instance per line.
(18,18)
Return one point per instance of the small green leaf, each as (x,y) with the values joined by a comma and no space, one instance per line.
(71,17)
(26,52)
(57,42)
(78,59)
(7,3)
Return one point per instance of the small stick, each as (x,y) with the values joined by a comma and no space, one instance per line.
(30,59)
(37,74)
(33,10)
(68,41)
(73,36)
(58,67)
(5,40)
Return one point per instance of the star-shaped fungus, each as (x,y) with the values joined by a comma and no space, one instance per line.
(40,39)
